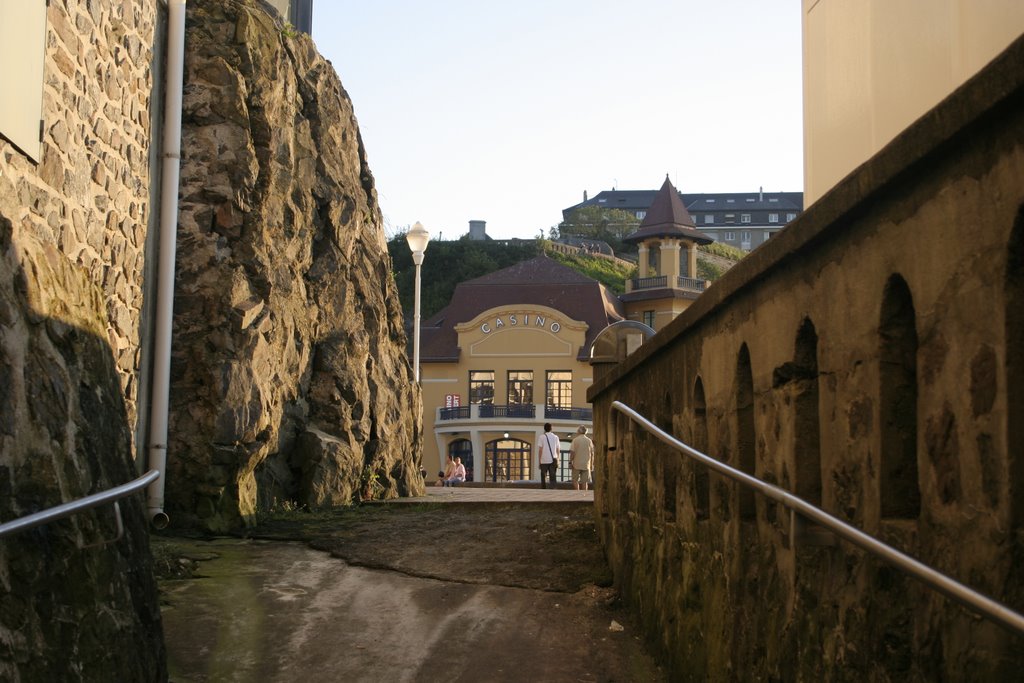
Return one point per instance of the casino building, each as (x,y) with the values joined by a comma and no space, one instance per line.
(509,353)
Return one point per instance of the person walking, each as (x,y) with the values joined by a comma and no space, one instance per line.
(581,458)
(547,452)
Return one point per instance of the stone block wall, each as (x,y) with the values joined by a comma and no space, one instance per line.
(868,359)
(89,197)
(72,234)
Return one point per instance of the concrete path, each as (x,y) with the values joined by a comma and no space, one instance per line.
(278,611)
(481,494)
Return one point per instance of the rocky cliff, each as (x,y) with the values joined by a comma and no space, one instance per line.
(290,380)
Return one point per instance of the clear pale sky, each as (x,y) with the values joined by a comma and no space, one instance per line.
(507,111)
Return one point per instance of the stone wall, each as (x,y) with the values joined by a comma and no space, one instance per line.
(290,380)
(72,232)
(868,359)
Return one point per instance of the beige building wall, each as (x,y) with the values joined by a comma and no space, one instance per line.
(665,310)
(872,67)
(504,338)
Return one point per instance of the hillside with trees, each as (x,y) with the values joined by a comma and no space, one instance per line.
(451,262)
(447,264)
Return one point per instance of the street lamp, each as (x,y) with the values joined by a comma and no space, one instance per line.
(417,238)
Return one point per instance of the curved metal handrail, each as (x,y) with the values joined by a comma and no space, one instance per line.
(968,597)
(67,509)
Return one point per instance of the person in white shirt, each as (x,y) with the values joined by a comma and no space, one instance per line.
(547,451)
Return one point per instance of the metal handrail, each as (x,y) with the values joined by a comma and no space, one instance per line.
(67,509)
(968,597)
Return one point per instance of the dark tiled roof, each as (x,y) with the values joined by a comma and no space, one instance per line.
(667,217)
(539,270)
(539,281)
(640,200)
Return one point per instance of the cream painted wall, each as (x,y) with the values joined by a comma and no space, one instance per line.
(665,310)
(22,43)
(872,67)
(502,348)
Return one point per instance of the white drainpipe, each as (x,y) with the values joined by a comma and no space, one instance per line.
(170,172)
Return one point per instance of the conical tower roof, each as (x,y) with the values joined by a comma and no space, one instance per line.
(667,217)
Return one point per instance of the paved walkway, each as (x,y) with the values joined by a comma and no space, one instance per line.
(272,611)
(509,494)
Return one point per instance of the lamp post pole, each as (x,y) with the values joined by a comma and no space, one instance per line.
(417,238)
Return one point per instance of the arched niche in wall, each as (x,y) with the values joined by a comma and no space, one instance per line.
(702,486)
(671,461)
(746,437)
(1015,369)
(807,442)
(899,486)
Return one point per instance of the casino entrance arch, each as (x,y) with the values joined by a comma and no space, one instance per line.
(507,460)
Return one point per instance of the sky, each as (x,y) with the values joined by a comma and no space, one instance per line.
(508,111)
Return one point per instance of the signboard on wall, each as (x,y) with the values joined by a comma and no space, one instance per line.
(22,50)
(452,401)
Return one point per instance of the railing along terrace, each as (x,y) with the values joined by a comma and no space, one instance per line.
(966,596)
(690,283)
(577,414)
(456,413)
(528,411)
(650,282)
(511,410)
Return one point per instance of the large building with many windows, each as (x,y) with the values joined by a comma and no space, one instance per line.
(509,353)
(739,219)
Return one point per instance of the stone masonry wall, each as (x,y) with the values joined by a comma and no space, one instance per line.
(868,359)
(72,230)
(290,381)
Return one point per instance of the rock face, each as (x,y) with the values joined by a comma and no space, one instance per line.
(290,380)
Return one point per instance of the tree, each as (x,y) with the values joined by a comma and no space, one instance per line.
(448,263)
(598,223)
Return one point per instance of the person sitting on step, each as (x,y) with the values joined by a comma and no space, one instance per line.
(449,467)
(458,475)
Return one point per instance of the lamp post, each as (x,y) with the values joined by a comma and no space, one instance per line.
(417,237)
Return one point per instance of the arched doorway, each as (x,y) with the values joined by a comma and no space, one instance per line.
(463,448)
(507,460)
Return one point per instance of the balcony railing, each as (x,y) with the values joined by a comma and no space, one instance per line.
(691,284)
(522,411)
(457,413)
(574,414)
(512,410)
(650,282)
